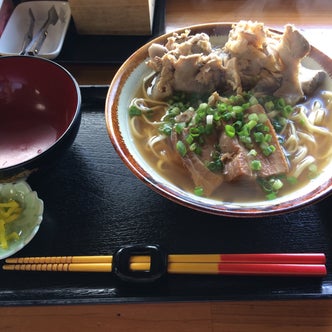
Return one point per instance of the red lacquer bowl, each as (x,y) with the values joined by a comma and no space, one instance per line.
(40,112)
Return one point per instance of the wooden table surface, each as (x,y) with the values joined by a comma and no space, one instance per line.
(315,18)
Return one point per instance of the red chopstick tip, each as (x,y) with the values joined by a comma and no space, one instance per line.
(310,270)
(285,258)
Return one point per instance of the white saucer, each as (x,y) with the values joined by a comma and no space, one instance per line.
(12,37)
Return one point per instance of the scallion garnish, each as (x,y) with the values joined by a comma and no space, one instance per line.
(179,127)
(252,152)
(271,196)
(166,129)
(230,131)
(199,191)
(134,111)
(256,165)
(181,148)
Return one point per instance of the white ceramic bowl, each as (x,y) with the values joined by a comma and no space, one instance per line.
(28,222)
(124,87)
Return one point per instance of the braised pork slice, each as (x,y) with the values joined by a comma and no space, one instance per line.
(201,175)
(235,156)
(237,161)
(196,164)
(276,163)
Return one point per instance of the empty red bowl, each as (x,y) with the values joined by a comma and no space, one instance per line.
(40,113)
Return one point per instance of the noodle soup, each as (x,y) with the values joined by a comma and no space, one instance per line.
(141,141)
(306,141)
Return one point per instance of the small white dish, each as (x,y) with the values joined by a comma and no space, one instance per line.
(28,222)
(13,35)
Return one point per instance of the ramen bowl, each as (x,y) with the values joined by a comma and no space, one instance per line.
(19,225)
(125,86)
(40,110)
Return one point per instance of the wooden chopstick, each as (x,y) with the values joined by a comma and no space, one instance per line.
(282,258)
(297,264)
(184,268)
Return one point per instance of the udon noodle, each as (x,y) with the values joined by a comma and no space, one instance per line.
(304,136)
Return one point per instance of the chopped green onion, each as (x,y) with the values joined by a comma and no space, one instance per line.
(193,147)
(268,150)
(292,179)
(166,129)
(245,139)
(189,139)
(287,110)
(259,137)
(256,165)
(230,131)
(217,116)
(268,138)
(312,168)
(212,166)
(134,111)
(246,106)
(195,131)
(237,125)
(253,116)
(198,150)
(277,184)
(253,100)
(199,191)
(281,103)
(208,129)
(271,196)
(269,105)
(237,109)
(222,107)
(244,131)
(179,127)
(181,148)
(262,117)
(252,152)
(312,171)
(251,124)
(226,116)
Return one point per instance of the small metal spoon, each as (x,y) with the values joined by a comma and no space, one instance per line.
(29,34)
(37,42)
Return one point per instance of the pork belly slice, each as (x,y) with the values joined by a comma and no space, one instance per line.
(234,158)
(201,175)
(237,162)
(276,163)
(195,164)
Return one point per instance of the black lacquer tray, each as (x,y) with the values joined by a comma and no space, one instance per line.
(108,49)
(95,205)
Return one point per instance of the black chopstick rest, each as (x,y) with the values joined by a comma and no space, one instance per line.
(121,263)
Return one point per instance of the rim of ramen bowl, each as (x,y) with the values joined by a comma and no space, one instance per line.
(122,89)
